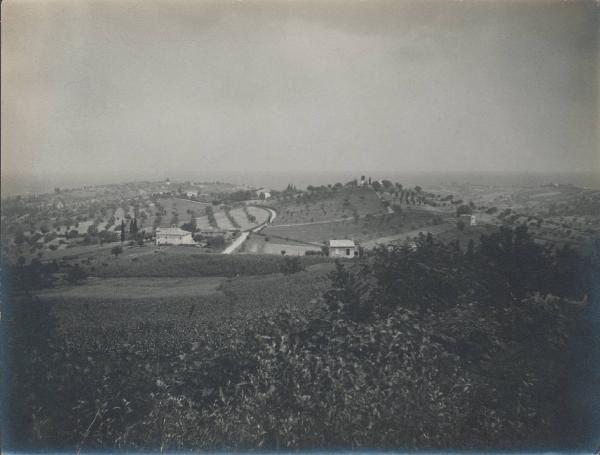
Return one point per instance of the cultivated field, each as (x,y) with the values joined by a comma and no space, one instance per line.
(186,210)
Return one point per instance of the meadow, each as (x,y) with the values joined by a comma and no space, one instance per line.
(170,264)
(259,243)
(117,302)
(363,229)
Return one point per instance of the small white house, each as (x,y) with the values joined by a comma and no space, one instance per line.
(342,248)
(469,220)
(173,236)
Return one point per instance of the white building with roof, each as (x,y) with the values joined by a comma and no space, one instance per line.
(173,236)
(342,248)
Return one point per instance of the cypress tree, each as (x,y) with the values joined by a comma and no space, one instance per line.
(122,230)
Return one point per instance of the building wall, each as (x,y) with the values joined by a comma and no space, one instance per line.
(164,239)
(290,250)
(337,252)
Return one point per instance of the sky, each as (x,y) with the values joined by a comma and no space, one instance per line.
(151,88)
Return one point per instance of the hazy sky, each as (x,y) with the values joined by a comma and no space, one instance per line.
(158,87)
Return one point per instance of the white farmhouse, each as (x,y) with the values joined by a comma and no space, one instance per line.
(342,248)
(173,236)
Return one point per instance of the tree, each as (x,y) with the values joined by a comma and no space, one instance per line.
(19,237)
(470,250)
(122,230)
(76,274)
(216,242)
(116,250)
(464,210)
(291,265)
(92,230)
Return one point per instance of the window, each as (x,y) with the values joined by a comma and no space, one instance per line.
(347,251)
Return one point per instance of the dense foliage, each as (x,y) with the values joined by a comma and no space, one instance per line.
(424,348)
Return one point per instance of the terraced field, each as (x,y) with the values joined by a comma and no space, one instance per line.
(223,221)
(259,214)
(240,217)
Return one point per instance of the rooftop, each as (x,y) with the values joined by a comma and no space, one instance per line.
(342,244)
(172,231)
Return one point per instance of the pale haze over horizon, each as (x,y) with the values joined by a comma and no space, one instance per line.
(158,88)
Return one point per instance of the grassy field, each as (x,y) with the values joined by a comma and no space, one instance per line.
(179,262)
(366,228)
(114,302)
(262,244)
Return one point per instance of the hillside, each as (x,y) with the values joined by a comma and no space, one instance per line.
(423,349)
(346,202)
